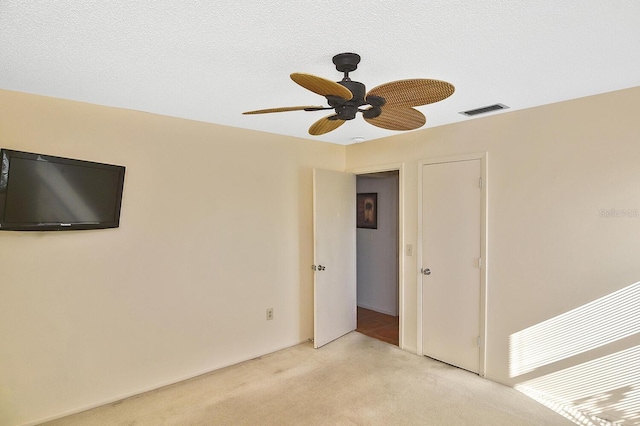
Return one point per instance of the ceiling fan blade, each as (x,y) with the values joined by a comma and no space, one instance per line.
(284,109)
(324,125)
(398,119)
(321,86)
(413,92)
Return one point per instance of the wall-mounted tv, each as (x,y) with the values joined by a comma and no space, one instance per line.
(44,193)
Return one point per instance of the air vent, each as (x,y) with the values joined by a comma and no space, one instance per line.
(484,110)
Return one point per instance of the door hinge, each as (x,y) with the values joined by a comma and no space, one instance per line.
(480,262)
(479,341)
(480,182)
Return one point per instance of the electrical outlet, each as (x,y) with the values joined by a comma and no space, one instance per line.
(269,314)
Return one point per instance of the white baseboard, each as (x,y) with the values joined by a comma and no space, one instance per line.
(378,309)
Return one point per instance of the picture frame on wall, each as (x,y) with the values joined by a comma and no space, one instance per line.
(367,210)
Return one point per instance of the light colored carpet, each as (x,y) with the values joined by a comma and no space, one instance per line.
(355,380)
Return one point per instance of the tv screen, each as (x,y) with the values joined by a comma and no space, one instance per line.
(42,192)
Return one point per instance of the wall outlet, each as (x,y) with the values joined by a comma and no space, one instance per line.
(269,314)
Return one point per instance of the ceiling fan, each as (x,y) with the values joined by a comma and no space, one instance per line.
(389,106)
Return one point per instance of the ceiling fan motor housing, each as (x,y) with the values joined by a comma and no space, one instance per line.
(347,110)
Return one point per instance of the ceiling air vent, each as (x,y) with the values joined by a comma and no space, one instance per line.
(483,110)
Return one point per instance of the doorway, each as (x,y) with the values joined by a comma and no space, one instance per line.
(378,260)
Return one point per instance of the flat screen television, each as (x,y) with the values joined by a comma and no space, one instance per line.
(46,193)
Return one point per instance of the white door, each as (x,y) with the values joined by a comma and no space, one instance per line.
(334,228)
(451,238)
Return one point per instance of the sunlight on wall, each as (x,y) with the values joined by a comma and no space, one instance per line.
(596,392)
(605,388)
(595,324)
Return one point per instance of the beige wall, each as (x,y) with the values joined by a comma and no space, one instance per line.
(216,227)
(551,171)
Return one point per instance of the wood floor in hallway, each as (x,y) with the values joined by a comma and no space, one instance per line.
(378,325)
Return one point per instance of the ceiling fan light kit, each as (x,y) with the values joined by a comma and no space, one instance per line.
(388,106)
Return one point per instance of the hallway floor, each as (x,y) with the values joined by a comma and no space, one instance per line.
(378,325)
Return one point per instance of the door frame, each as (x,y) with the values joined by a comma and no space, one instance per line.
(483,157)
(399,167)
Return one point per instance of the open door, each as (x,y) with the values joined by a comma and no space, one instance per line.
(334,260)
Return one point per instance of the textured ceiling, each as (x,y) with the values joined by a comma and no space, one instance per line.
(212,60)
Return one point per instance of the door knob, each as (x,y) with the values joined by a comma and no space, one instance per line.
(425,271)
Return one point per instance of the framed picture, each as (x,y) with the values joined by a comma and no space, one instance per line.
(367,210)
